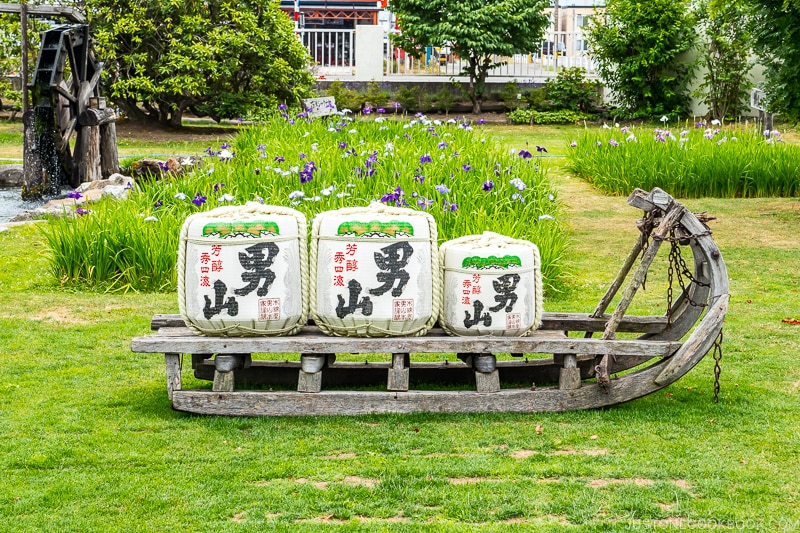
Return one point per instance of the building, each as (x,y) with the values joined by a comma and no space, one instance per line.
(338,14)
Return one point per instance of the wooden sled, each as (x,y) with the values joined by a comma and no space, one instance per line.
(581,369)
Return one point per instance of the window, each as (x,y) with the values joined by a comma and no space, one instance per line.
(582,20)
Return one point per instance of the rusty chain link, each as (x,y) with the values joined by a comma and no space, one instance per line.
(717,366)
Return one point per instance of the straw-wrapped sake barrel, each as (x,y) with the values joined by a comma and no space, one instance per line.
(243,270)
(374,272)
(492,285)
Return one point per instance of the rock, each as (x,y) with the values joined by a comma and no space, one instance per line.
(118,192)
(11,175)
(112,181)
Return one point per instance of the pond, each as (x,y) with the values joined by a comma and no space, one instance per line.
(11,204)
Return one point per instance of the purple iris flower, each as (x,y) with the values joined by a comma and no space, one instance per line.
(481,121)
(74,195)
(613,143)
(279,158)
(218,186)
(443,145)
(488,185)
(467,167)
(198,200)
(453,207)
(541,149)
(442,188)
(82,211)
(158,204)
(342,145)
(525,154)
(380,110)
(425,159)
(282,107)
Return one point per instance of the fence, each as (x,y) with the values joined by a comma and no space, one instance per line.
(333,54)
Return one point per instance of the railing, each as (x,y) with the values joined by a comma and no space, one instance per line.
(333,54)
(558,50)
(332,51)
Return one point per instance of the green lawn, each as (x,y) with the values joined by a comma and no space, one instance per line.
(90,442)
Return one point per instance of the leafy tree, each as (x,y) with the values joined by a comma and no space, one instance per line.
(217,58)
(637,46)
(725,52)
(777,46)
(11,56)
(475,30)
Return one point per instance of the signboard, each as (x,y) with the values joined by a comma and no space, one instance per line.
(758,99)
(320,107)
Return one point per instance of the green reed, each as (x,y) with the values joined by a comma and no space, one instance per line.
(688,161)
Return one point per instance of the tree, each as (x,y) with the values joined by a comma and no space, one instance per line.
(777,46)
(725,52)
(475,30)
(10,59)
(637,47)
(217,58)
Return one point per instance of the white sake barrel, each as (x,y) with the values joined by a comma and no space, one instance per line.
(374,271)
(492,285)
(242,270)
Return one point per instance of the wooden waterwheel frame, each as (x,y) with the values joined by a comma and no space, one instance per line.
(71,105)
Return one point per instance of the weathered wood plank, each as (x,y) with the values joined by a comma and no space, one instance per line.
(314,341)
(309,381)
(570,376)
(486,382)
(223,381)
(550,322)
(398,374)
(173,362)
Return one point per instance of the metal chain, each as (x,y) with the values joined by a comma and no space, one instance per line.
(717,367)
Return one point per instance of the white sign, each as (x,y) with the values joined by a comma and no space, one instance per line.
(320,107)
(757,99)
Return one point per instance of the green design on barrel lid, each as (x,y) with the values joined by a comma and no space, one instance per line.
(392,228)
(240,228)
(492,261)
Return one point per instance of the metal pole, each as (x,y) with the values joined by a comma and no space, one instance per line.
(23,9)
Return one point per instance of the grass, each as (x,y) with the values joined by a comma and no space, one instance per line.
(90,442)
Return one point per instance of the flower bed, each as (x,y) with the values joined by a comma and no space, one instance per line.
(448,169)
(691,161)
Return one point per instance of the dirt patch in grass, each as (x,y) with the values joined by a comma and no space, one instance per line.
(592,452)
(523,454)
(356,481)
(340,456)
(140,131)
(471,480)
(639,482)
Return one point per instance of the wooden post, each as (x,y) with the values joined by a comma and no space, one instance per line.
(23,9)
(109,157)
(487,377)
(398,373)
(569,377)
(174,383)
(310,377)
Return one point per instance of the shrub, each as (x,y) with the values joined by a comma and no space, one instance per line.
(346,98)
(468,186)
(375,96)
(571,90)
(409,98)
(529,116)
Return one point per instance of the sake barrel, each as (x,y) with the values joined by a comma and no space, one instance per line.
(492,285)
(243,270)
(374,271)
